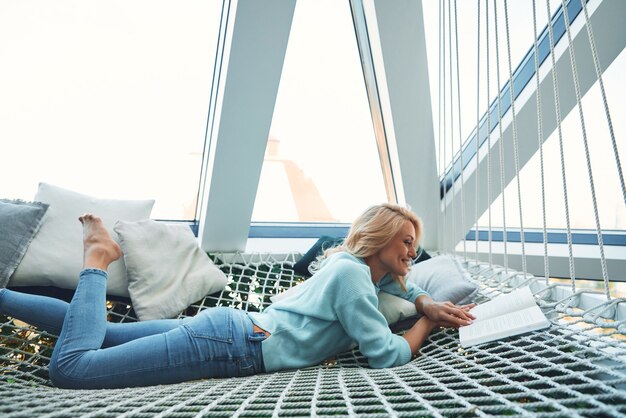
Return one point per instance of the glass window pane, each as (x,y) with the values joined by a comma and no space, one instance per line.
(611,210)
(442,64)
(107,98)
(321,163)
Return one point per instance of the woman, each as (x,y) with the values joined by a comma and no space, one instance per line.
(335,308)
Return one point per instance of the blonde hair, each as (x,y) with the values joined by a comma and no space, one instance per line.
(375,228)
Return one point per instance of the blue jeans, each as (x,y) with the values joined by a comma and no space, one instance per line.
(92,353)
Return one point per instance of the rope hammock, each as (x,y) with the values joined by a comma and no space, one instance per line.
(575,368)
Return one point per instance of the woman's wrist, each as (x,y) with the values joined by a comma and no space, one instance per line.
(418,333)
(428,323)
(422,302)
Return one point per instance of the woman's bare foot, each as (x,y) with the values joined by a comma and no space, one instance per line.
(100,249)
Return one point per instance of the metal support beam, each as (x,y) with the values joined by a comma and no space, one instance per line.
(257,51)
(411,143)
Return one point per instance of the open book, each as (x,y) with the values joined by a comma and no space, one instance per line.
(506,315)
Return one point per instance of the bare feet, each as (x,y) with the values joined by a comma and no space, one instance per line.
(100,249)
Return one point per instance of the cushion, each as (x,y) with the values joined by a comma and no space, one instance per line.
(55,255)
(323,243)
(422,255)
(442,277)
(166,269)
(19,222)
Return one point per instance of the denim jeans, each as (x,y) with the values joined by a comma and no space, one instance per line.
(92,353)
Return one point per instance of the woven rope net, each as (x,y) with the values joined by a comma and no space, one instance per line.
(575,368)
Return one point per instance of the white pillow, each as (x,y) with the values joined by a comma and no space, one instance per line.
(167,271)
(55,256)
(442,277)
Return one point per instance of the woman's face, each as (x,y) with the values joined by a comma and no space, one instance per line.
(396,257)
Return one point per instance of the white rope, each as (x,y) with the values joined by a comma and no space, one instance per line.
(281,399)
(175,399)
(439,118)
(346,395)
(316,392)
(515,138)
(453,200)
(501,141)
(596,64)
(572,55)
(546,265)
(477,133)
(443,139)
(566,370)
(458,91)
(557,105)
(490,233)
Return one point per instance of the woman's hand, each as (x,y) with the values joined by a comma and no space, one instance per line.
(446,314)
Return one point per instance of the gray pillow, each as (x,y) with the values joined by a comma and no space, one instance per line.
(19,223)
(442,277)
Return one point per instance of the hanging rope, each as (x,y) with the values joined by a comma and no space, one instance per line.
(546,262)
(515,138)
(439,104)
(572,56)
(501,141)
(458,99)
(557,105)
(490,231)
(477,132)
(443,166)
(596,64)
(452,188)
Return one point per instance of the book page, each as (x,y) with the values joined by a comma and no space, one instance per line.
(510,324)
(516,300)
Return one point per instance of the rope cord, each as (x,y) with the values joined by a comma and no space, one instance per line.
(501,140)
(443,138)
(594,201)
(458,91)
(489,175)
(477,132)
(439,100)
(546,262)
(515,138)
(566,370)
(488,97)
(596,64)
(555,84)
(452,188)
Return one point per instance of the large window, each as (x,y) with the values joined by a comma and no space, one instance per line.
(321,163)
(440,32)
(611,209)
(107,98)
(440,23)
